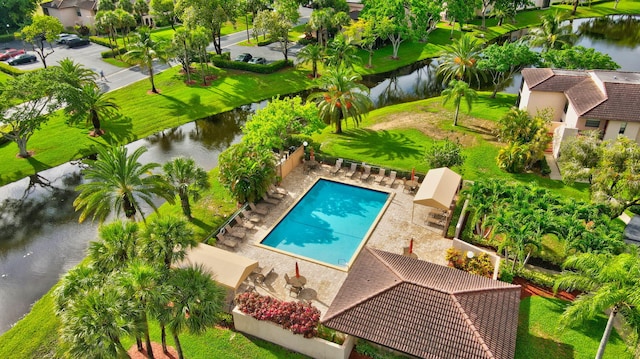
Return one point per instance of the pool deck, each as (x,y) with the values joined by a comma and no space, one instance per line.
(393,233)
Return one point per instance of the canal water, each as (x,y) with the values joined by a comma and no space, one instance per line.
(40,238)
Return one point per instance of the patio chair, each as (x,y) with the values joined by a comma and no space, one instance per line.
(367,173)
(287,280)
(277,189)
(235,232)
(392,179)
(378,179)
(352,170)
(270,200)
(334,171)
(260,210)
(228,242)
(241,221)
(251,217)
(274,194)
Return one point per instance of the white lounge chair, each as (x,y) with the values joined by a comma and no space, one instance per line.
(244,223)
(235,232)
(378,179)
(262,209)
(280,190)
(250,216)
(226,241)
(334,171)
(275,195)
(352,170)
(392,178)
(367,173)
(270,200)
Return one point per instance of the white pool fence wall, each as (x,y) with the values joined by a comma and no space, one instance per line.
(465,247)
(314,347)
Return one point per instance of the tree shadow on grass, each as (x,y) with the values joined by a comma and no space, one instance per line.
(193,109)
(381,144)
(118,130)
(529,345)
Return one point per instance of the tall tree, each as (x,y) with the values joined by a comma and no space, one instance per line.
(342,97)
(320,22)
(312,53)
(459,60)
(91,104)
(35,92)
(42,32)
(456,91)
(144,51)
(527,138)
(607,282)
(277,24)
(211,14)
(552,34)
(462,11)
(424,17)
(503,61)
(181,50)
(16,14)
(187,180)
(107,21)
(196,300)
(117,246)
(341,52)
(119,181)
(509,8)
(164,11)
(200,41)
(392,21)
(578,58)
(76,74)
(125,22)
(141,8)
(363,33)
(612,169)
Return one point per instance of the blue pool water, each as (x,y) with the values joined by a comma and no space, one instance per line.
(328,223)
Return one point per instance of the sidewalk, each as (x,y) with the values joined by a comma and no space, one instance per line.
(553,165)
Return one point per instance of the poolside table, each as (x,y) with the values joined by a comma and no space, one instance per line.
(412,185)
(297,282)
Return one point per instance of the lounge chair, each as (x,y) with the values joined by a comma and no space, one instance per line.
(228,242)
(235,232)
(251,217)
(392,178)
(367,173)
(334,171)
(270,200)
(246,224)
(279,190)
(274,194)
(352,170)
(378,179)
(259,209)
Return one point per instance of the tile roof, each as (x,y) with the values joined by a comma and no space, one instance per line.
(425,309)
(65,4)
(618,101)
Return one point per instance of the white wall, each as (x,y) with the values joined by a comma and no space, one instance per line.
(535,101)
(632,130)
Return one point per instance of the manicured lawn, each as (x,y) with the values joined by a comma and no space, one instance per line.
(402,146)
(538,336)
(4,77)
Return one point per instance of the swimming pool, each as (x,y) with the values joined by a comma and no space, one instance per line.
(330,223)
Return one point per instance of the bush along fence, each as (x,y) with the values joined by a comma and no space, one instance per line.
(223,62)
(292,325)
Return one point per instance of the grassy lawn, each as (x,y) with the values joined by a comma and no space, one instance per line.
(397,137)
(538,336)
(4,77)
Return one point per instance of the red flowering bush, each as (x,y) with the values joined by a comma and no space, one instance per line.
(298,317)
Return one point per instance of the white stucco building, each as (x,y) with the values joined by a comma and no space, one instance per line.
(608,101)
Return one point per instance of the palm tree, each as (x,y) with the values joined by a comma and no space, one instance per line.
(120,182)
(144,51)
(311,53)
(117,246)
(142,283)
(187,179)
(76,74)
(459,60)
(551,34)
(341,52)
(320,22)
(91,103)
(608,283)
(342,97)
(166,240)
(195,302)
(456,91)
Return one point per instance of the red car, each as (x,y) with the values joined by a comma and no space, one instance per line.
(9,53)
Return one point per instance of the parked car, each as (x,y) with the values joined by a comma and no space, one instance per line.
(243,57)
(9,53)
(65,38)
(22,59)
(258,60)
(77,42)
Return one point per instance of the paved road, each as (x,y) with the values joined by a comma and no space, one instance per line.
(118,77)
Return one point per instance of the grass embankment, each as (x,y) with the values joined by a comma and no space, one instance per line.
(397,137)
(538,336)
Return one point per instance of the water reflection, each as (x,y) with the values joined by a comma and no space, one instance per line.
(621,30)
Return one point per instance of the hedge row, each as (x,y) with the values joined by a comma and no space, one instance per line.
(8,69)
(113,52)
(261,69)
(101,41)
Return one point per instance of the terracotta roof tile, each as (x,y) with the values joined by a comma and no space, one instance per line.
(585,95)
(622,103)
(534,76)
(424,309)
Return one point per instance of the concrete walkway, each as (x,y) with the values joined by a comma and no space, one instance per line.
(553,165)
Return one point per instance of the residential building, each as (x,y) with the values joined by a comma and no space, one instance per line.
(72,12)
(580,100)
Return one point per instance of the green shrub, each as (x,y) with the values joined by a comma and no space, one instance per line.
(239,65)
(506,274)
(110,53)
(545,170)
(265,42)
(538,278)
(305,41)
(101,41)
(8,69)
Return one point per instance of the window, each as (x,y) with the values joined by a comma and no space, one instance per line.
(78,13)
(566,107)
(623,127)
(592,123)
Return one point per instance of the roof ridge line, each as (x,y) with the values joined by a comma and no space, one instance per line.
(488,289)
(474,330)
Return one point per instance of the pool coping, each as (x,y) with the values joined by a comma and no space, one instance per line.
(363,242)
